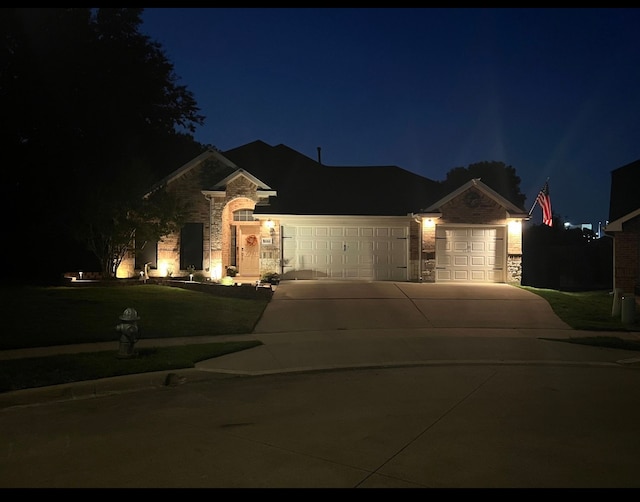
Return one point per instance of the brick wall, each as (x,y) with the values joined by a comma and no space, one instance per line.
(627,256)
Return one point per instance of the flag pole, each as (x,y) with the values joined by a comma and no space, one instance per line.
(536,201)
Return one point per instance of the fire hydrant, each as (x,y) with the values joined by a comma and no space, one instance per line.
(129,332)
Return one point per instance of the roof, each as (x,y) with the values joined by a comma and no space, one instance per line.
(305,186)
(623,198)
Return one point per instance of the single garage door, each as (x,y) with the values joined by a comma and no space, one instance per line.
(470,254)
(345,252)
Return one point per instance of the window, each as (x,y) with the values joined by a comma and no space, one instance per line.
(147,252)
(191,245)
(243,215)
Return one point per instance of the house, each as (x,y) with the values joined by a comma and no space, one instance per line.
(262,208)
(624,227)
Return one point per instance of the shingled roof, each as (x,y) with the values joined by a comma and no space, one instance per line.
(305,186)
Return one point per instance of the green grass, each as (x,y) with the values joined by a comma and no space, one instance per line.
(585,310)
(45,316)
(49,316)
(590,311)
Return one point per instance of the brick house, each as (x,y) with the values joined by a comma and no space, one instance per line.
(262,208)
(624,227)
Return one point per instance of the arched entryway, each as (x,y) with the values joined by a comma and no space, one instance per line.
(241,247)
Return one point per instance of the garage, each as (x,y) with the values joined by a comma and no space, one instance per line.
(339,250)
(470,254)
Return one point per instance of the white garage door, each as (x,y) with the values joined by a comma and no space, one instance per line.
(345,252)
(470,254)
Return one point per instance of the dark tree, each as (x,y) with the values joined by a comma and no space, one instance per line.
(496,175)
(93,114)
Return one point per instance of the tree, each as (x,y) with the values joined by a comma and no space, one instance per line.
(496,175)
(92,114)
(112,233)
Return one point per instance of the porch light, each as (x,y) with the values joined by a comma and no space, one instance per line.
(269,224)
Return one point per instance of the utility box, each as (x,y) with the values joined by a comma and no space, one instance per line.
(628,308)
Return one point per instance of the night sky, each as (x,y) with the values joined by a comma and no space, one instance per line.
(554,93)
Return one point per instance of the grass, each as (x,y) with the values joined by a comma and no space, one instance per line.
(45,316)
(590,311)
(585,310)
(49,316)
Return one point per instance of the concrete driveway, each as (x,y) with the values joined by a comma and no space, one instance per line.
(339,305)
(318,325)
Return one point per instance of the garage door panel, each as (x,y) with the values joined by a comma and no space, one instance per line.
(460,246)
(478,261)
(443,275)
(460,275)
(305,245)
(460,260)
(368,246)
(366,259)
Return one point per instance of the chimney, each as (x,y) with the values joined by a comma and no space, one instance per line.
(319,158)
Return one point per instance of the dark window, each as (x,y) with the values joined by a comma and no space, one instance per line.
(147,252)
(191,245)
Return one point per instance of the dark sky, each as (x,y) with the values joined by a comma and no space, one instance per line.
(554,93)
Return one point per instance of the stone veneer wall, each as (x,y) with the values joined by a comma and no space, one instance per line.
(514,269)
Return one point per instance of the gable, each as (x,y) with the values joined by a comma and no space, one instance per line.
(476,196)
(209,165)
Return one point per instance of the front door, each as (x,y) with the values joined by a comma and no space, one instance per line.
(248,250)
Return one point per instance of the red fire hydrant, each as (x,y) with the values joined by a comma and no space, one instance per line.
(129,333)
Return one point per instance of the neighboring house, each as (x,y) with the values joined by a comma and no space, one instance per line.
(624,227)
(263,208)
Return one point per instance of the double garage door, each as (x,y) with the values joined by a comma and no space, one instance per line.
(342,251)
(470,254)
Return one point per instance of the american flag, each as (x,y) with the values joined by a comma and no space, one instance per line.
(545,203)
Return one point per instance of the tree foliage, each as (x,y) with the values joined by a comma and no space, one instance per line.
(93,113)
(496,175)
